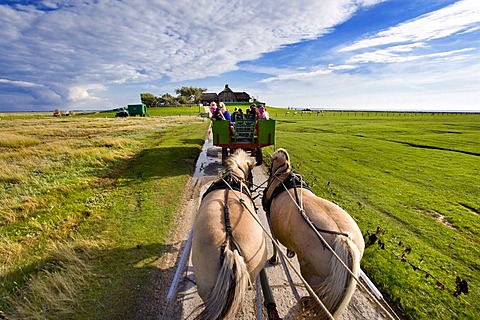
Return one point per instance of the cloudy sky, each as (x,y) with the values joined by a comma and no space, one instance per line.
(341,54)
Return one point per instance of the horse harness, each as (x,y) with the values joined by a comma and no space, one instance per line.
(230,181)
(294,181)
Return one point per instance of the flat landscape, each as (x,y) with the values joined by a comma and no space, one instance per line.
(87,204)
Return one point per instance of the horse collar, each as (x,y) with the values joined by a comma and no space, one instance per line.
(292,181)
(229,181)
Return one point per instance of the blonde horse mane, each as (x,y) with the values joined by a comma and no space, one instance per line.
(238,158)
(283,158)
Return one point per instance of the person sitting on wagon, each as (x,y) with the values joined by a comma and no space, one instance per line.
(217,114)
(252,112)
(240,114)
(213,108)
(263,113)
(224,112)
(234,115)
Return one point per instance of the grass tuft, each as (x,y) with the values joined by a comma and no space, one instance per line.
(52,292)
(9,140)
(118,180)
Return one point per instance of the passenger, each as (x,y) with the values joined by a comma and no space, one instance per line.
(213,108)
(218,114)
(234,115)
(252,112)
(224,112)
(252,109)
(240,114)
(263,113)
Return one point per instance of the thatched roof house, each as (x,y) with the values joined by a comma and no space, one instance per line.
(227,95)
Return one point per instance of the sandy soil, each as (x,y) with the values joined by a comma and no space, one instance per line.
(155,305)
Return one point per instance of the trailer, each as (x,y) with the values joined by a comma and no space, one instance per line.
(248,134)
(137,109)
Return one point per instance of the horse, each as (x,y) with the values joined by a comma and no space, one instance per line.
(295,212)
(228,245)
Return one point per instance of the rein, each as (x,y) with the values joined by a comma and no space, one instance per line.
(294,181)
(230,181)
(228,230)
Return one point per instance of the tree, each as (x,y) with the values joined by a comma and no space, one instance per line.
(182,100)
(166,100)
(149,100)
(190,94)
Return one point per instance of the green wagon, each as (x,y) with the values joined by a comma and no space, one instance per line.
(248,134)
(137,109)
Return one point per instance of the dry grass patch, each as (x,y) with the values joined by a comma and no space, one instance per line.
(56,285)
(11,140)
(56,190)
(9,253)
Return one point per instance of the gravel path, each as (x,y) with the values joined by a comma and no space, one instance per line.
(155,305)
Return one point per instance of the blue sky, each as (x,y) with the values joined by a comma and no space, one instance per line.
(333,54)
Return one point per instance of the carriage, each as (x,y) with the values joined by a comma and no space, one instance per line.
(248,134)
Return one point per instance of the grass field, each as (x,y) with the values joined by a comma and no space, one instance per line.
(86,203)
(412,183)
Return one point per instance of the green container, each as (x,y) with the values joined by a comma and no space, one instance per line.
(266,132)
(137,109)
(221,132)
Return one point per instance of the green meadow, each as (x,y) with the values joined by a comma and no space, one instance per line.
(87,203)
(411,181)
(86,207)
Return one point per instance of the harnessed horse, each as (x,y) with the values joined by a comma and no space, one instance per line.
(319,231)
(228,246)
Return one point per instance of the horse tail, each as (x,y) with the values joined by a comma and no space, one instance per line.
(337,289)
(229,290)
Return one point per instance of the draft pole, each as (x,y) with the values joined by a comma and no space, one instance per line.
(268,296)
(181,265)
(258,298)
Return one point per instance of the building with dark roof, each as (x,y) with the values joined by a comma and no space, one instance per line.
(226,95)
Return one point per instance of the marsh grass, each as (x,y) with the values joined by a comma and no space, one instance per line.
(53,291)
(411,182)
(75,199)
(9,140)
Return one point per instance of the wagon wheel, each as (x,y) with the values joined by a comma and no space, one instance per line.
(224,155)
(259,156)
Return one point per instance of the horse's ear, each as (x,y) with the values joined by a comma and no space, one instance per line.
(251,162)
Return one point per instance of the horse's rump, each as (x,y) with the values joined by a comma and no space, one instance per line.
(226,296)
(326,223)
(224,262)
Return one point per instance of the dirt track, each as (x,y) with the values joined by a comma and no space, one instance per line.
(154,304)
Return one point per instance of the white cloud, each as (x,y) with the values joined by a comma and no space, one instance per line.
(397,54)
(462,16)
(69,45)
(100,53)
(413,65)
(418,85)
(80,93)
(23,84)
